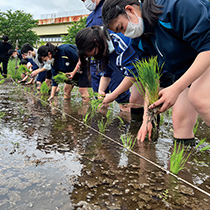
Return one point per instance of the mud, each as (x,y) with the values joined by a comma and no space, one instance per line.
(49,160)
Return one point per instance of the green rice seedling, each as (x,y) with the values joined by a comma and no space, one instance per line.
(85,119)
(149,74)
(95,103)
(196,127)
(44,88)
(148,85)
(205,148)
(121,121)
(108,117)
(2,114)
(102,125)
(24,69)
(202,141)
(15,144)
(60,78)
(178,158)
(128,141)
(2,81)
(16,75)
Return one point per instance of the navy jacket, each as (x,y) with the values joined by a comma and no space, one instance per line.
(123,56)
(182,32)
(65,60)
(95,17)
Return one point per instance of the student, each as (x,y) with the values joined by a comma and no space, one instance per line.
(29,52)
(114,55)
(4,56)
(182,30)
(64,59)
(15,53)
(95,18)
(25,75)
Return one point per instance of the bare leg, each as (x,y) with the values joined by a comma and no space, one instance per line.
(67,91)
(199,96)
(136,99)
(84,93)
(184,117)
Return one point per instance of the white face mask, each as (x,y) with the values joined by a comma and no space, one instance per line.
(29,55)
(50,61)
(134,30)
(90,5)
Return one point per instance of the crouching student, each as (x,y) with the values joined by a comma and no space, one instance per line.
(29,52)
(115,53)
(182,30)
(15,53)
(64,58)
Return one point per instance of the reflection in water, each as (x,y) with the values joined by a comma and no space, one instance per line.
(62,164)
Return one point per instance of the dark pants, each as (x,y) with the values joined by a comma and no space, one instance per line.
(5,62)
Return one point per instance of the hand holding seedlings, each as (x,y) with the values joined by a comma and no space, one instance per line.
(168,97)
(108,98)
(70,75)
(34,73)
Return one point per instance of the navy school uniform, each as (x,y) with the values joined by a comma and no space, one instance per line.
(65,61)
(182,32)
(121,60)
(42,75)
(95,18)
(19,54)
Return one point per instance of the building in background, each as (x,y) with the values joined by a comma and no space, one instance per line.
(52,26)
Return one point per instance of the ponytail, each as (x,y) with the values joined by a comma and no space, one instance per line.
(89,38)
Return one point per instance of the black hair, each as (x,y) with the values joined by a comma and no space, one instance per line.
(11,51)
(5,38)
(26,47)
(23,62)
(113,8)
(89,38)
(45,49)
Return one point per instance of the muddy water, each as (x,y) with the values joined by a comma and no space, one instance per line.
(49,160)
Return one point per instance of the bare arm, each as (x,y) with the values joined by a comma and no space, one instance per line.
(104,83)
(169,95)
(126,83)
(37,71)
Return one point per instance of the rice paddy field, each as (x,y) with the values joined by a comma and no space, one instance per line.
(58,157)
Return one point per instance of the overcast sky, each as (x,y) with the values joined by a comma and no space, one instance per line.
(41,7)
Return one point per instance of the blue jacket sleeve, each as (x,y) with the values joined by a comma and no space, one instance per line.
(126,55)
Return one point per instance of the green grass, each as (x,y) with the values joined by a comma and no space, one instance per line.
(128,141)
(178,158)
